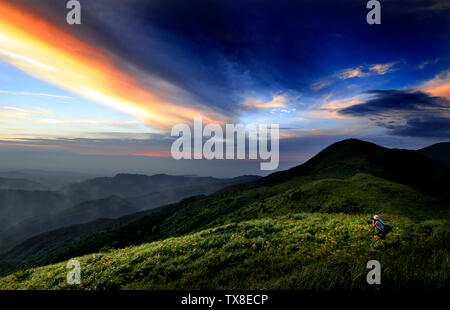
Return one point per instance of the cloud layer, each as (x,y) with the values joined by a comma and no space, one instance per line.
(405,112)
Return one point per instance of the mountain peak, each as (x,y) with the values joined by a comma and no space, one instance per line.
(129,175)
(355,143)
(347,150)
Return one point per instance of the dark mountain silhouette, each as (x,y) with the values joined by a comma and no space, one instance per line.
(350,176)
(438,151)
(347,157)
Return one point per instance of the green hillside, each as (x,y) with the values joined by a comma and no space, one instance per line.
(299,251)
(306,227)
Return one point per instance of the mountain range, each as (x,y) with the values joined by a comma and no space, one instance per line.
(27,213)
(21,184)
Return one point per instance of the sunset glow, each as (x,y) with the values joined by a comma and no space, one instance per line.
(46,52)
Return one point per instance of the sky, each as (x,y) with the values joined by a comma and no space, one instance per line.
(103,96)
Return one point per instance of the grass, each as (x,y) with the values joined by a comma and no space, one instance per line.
(296,251)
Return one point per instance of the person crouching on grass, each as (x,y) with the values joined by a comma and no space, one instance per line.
(383,229)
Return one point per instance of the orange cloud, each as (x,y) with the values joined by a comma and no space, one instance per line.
(277,102)
(364,71)
(352,73)
(28,145)
(330,108)
(357,72)
(47,52)
(439,86)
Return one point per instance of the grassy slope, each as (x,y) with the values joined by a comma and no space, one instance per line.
(359,194)
(268,243)
(299,251)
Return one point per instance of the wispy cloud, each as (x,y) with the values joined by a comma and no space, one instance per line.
(23,93)
(361,71)
(18,58)
(437,5)
(382,69)
(426,63)
(10,112)
(366,71)
(277,101)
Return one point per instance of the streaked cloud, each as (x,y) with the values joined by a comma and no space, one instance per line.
(157,146)
(361,71)
(366,71)
(10,112)
(426,63)
(23,93)
(437,5)
(49,53)
(277,101)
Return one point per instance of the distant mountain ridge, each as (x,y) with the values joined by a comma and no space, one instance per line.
(52,180)
(135,185)
(18,205)
(27,213)
(106,208)
(20,184)
(439,151)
